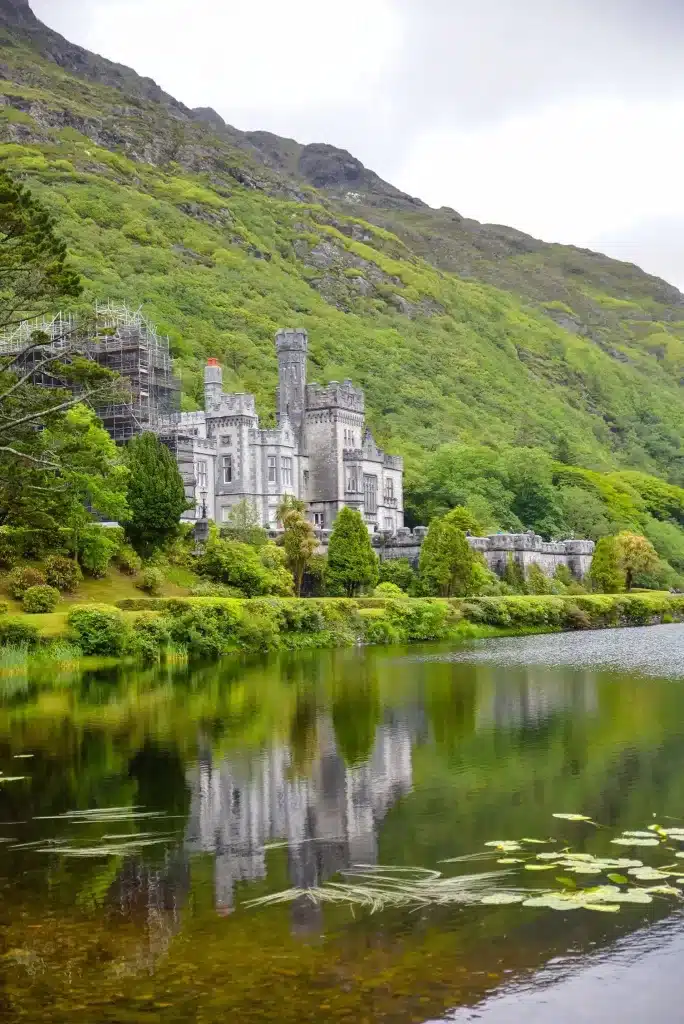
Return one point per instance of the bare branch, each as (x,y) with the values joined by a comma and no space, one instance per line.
(30,458)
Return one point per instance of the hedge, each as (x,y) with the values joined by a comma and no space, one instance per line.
(212,627)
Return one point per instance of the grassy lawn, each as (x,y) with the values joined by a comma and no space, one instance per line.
(115,587)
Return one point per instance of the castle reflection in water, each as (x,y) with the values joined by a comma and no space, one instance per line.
(328,819)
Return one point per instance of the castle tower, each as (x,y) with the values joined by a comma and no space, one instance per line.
(292,346)
(213,385)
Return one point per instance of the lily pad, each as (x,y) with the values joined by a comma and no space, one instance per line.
(635,841)
(501,899)
(573,817)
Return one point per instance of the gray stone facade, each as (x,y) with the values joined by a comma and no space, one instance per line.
(320,451)
(526,549)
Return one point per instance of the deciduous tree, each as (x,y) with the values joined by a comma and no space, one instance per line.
(299,539)
(635,554)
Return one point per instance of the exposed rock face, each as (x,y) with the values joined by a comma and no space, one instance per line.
(209,116)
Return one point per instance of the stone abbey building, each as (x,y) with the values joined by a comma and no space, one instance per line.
(320,451)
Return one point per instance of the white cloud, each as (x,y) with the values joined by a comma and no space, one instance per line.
(266,55)
(561,119)
(576,172)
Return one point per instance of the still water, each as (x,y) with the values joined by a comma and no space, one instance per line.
(141,813)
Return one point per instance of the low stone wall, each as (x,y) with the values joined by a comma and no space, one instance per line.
(526,549)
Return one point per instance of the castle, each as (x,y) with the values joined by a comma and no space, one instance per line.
(320,451)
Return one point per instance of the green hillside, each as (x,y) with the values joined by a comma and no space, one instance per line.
(458,332)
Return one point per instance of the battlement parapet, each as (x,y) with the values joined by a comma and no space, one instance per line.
(513,542)
(292,340)
(335,396)
(234,405)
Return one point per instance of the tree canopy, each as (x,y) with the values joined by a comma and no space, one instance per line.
(156,493)
(352,563)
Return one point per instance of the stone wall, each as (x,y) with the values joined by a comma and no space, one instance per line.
(526,549)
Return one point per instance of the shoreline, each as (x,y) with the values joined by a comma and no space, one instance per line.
(175,630)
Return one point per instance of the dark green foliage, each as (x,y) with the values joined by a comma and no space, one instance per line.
(34,273)
(18,633)
(97,547)
(40,600)
(63,573)
(156,494)
(606,576)
(21,580)
(4,607)
(352,563)
(398,571)
(151,581)
(313,584)
(98,629)
(253,572)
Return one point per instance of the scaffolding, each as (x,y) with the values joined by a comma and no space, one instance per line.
(119,339)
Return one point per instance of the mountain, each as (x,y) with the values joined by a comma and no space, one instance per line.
(457,330)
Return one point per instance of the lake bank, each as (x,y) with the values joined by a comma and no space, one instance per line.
(150,629)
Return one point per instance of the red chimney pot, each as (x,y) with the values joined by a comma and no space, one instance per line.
(212,362)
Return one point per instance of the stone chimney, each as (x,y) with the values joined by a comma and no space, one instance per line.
(213,385)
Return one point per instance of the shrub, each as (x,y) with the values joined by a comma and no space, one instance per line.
(382,631)
(150,635)
(398,571)
(21,580)
(151,581)
(563,576)
(96,550)
(62,573)
(17,633)
(208,589)
(40,600)
(389,590)
(576,618)
(538,582)
(4,607)
(197,629)
(253,573)
(128,560)
(98,629)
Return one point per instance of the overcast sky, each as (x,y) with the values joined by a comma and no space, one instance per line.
(563,118)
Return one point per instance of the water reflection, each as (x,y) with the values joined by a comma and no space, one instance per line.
(328,818)
(283,772)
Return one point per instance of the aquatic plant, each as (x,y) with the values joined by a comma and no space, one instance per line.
(378,888)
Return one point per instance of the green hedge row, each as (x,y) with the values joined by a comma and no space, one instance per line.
(591,611)
(211,627)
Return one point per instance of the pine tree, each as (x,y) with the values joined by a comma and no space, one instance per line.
(352,563)
(605,574)
(156,495)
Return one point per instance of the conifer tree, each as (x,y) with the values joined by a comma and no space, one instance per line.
(352,563)
(156,495)
(605,574)
(446,560)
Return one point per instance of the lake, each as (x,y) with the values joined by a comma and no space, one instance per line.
(303,838)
